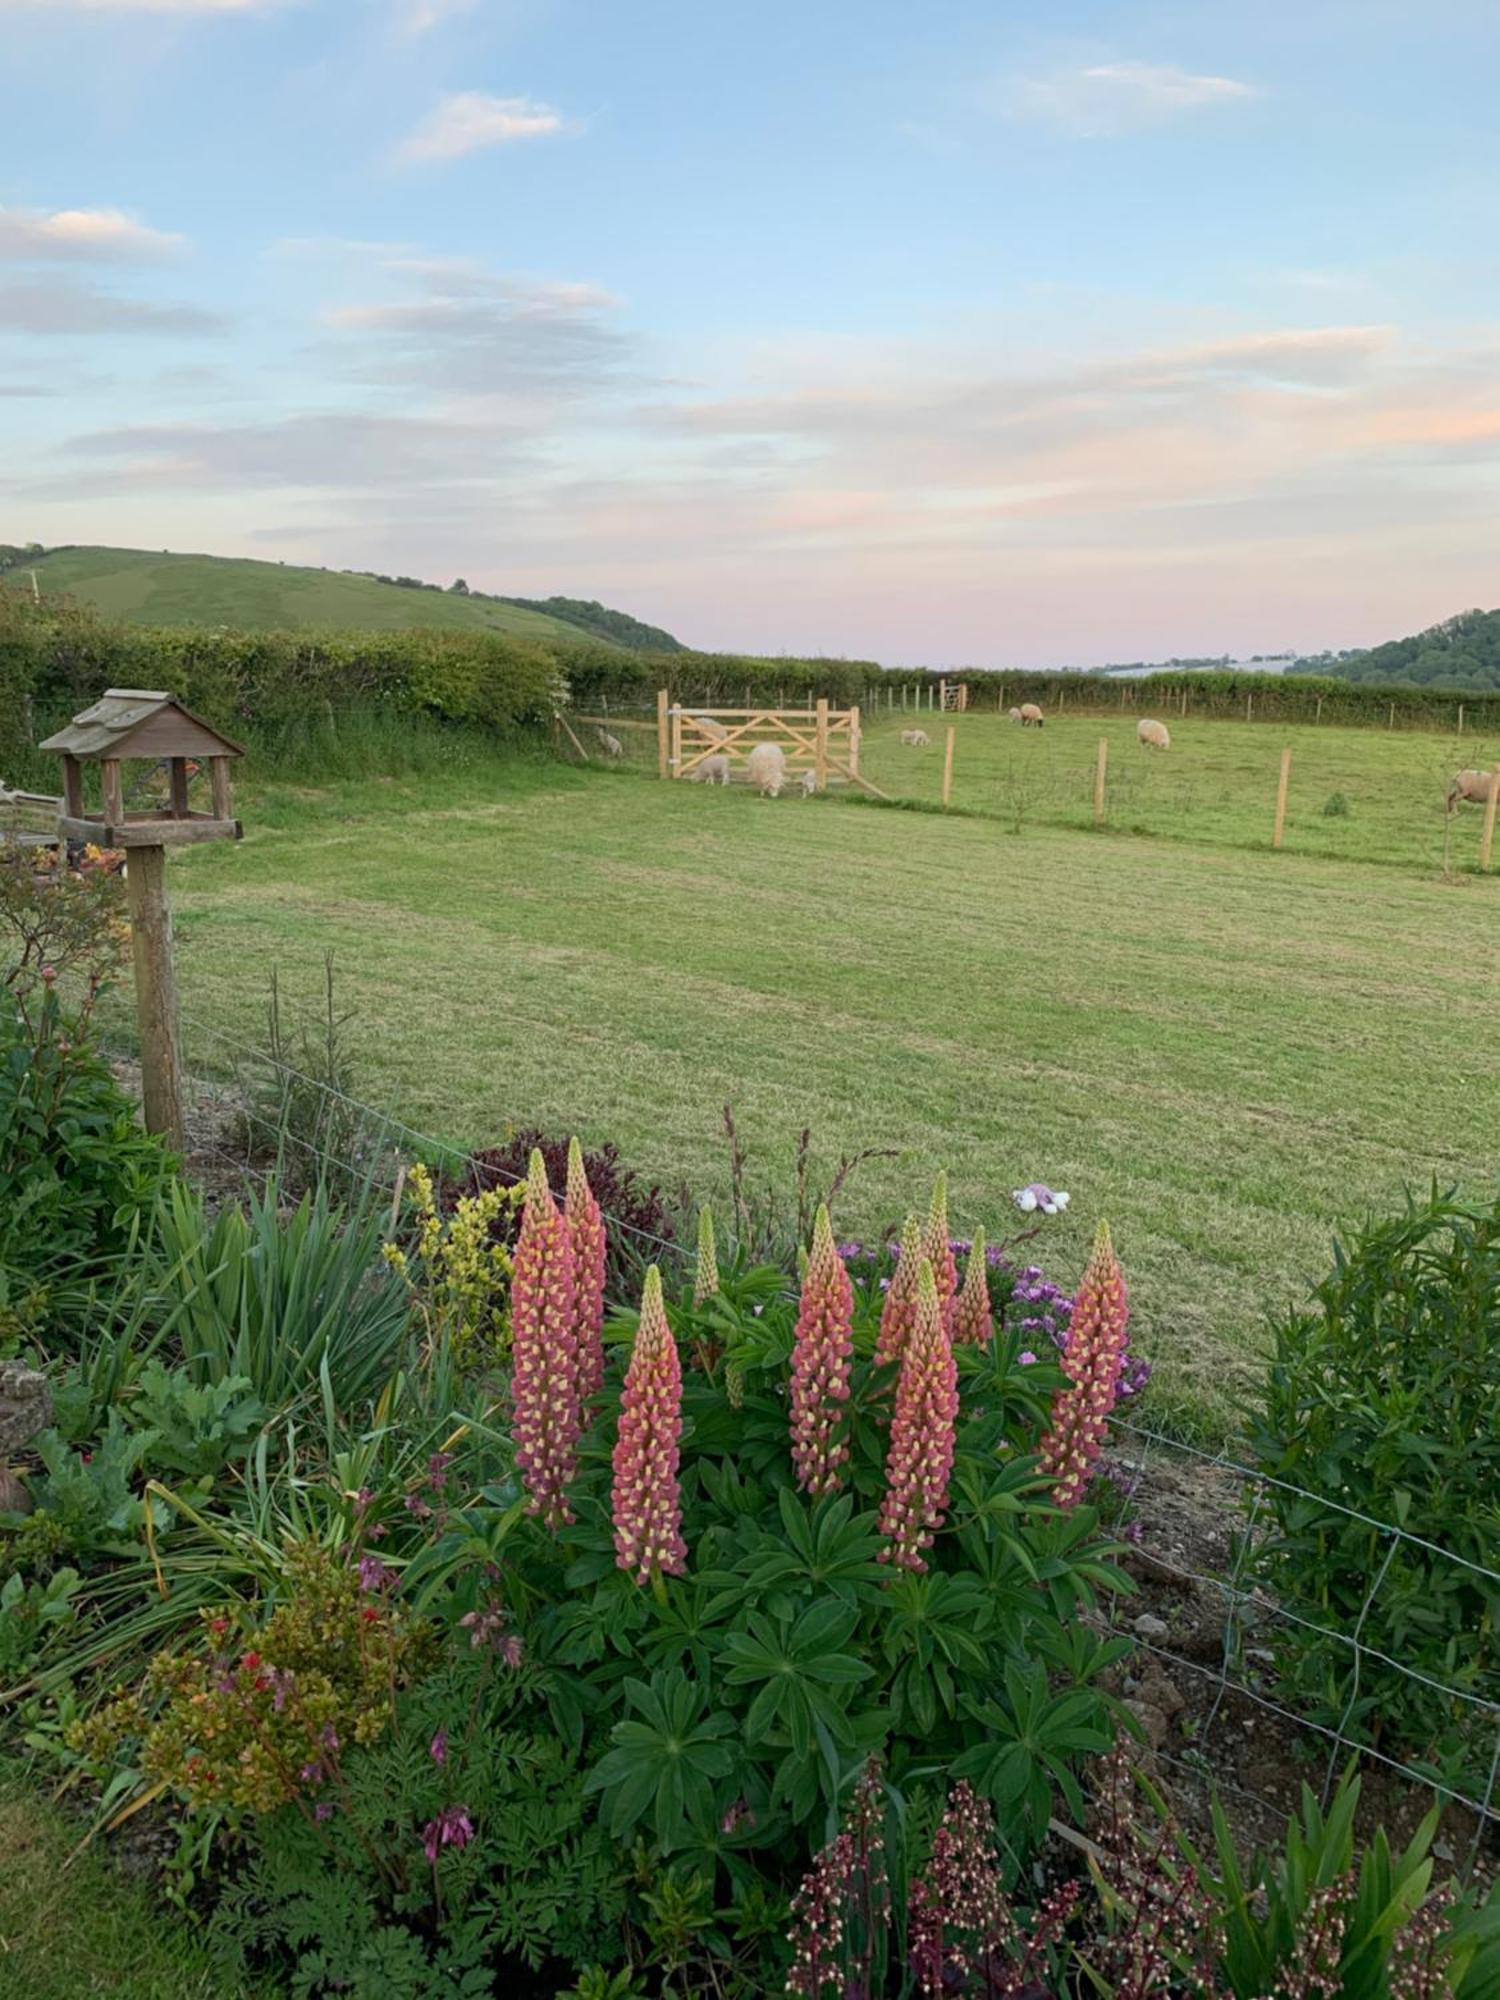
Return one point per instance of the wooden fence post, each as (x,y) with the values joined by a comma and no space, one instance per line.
(948,769)
(676,757)
(1101,767)
(1249,703)
(1460,718)
(1487,838)
(1392,723)
(820,746)
(661,732)
(155,992)
(1319,716)
(1281,784)
(854,742)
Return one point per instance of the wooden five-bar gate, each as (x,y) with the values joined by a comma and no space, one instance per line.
(819,739)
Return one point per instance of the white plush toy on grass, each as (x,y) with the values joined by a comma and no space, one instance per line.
(1037,1195)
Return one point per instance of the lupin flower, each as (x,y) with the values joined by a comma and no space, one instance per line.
(898,1314)
(920,1457)
(973,1323)
(586,1235)
(706,1276)
(1092,1360)
(937,1248)
(820,1365)
(645,1503)
(544,1352)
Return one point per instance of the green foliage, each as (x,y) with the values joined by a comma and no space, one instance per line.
(353,1902)
(77,1173)
(615,627)
(194,1428)
(1461,652)
(286,1302)
(29,1613)
(1381,1399)
(87,1500)
(1335,806)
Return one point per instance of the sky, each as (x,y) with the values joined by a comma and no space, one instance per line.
(989,332)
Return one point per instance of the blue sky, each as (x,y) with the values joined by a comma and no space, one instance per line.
(942,332)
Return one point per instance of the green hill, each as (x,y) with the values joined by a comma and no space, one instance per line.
(149,587)
(1462,652)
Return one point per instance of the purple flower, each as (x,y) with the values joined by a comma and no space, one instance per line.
(376,1575)
(437,1469)
(437,1749)
(1026,1359)
(323,1810)
(451,1828)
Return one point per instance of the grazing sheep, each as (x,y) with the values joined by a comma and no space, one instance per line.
(1472,787)
(917,738)
(1030,714)
(714,731)
(712,771)
(611,745)
(766,767)
(807,784)
(1015,715)
(1153,735)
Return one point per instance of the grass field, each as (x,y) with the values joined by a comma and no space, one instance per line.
(1217,783)
(1226,1052)
(161,589)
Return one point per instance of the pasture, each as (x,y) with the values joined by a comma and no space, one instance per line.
(1355,794)
(1227,1052)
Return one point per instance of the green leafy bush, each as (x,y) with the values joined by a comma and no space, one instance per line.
(1383,1406)
(77,1173)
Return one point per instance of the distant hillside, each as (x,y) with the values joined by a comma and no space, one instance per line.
(150,587)
(1462,652)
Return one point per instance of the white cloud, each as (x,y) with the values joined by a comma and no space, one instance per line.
(1102,100)
(420,17)
(79,233)
(466,120)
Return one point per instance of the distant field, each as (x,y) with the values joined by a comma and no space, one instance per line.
(1226,1052)
(1216,785)
(150,589)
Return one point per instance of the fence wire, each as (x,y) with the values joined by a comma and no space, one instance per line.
(1246,1609)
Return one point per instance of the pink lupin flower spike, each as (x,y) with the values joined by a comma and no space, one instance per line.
(899,1312)
(1092,1360)
(973,1322)
(920,1457)
(820,1365)
(586,1235)
(544,1352)
(645,1502)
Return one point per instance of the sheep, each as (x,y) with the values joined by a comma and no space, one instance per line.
(712,771)
(1153,735)
(917,738)
(714,731)
(1471,787)
(1015,715)
(766,768)
(807,784)
(1030,714)
(611,745)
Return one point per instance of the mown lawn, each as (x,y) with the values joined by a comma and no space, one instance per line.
(1229,1053)
(71,1929)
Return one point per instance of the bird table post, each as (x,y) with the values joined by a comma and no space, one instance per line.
(948,769)
(1101,768)
(1487,837)
(1281,785)
(151,727)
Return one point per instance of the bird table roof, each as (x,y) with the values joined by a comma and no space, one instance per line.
(140,722)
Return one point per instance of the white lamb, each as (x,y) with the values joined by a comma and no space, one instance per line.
(917,738)
(714,731)
(612,746)
(712,771)
(1015,715)
(807,783)
(1153,735)
(766,768)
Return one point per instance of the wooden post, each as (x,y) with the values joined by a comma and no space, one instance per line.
(820,746)
(942,694)
(1487,838)
(661,732)
(1249,702)
(1281,784)
(948,769)
(1062,696)
(903,694)
(1122,695)
(854,742)
(155,992)
(114,791)
(1101,767)
(674,762)
(1392,723)
(178,780)
(1460,718)
(218,779)
(72,788)
(1319,716)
